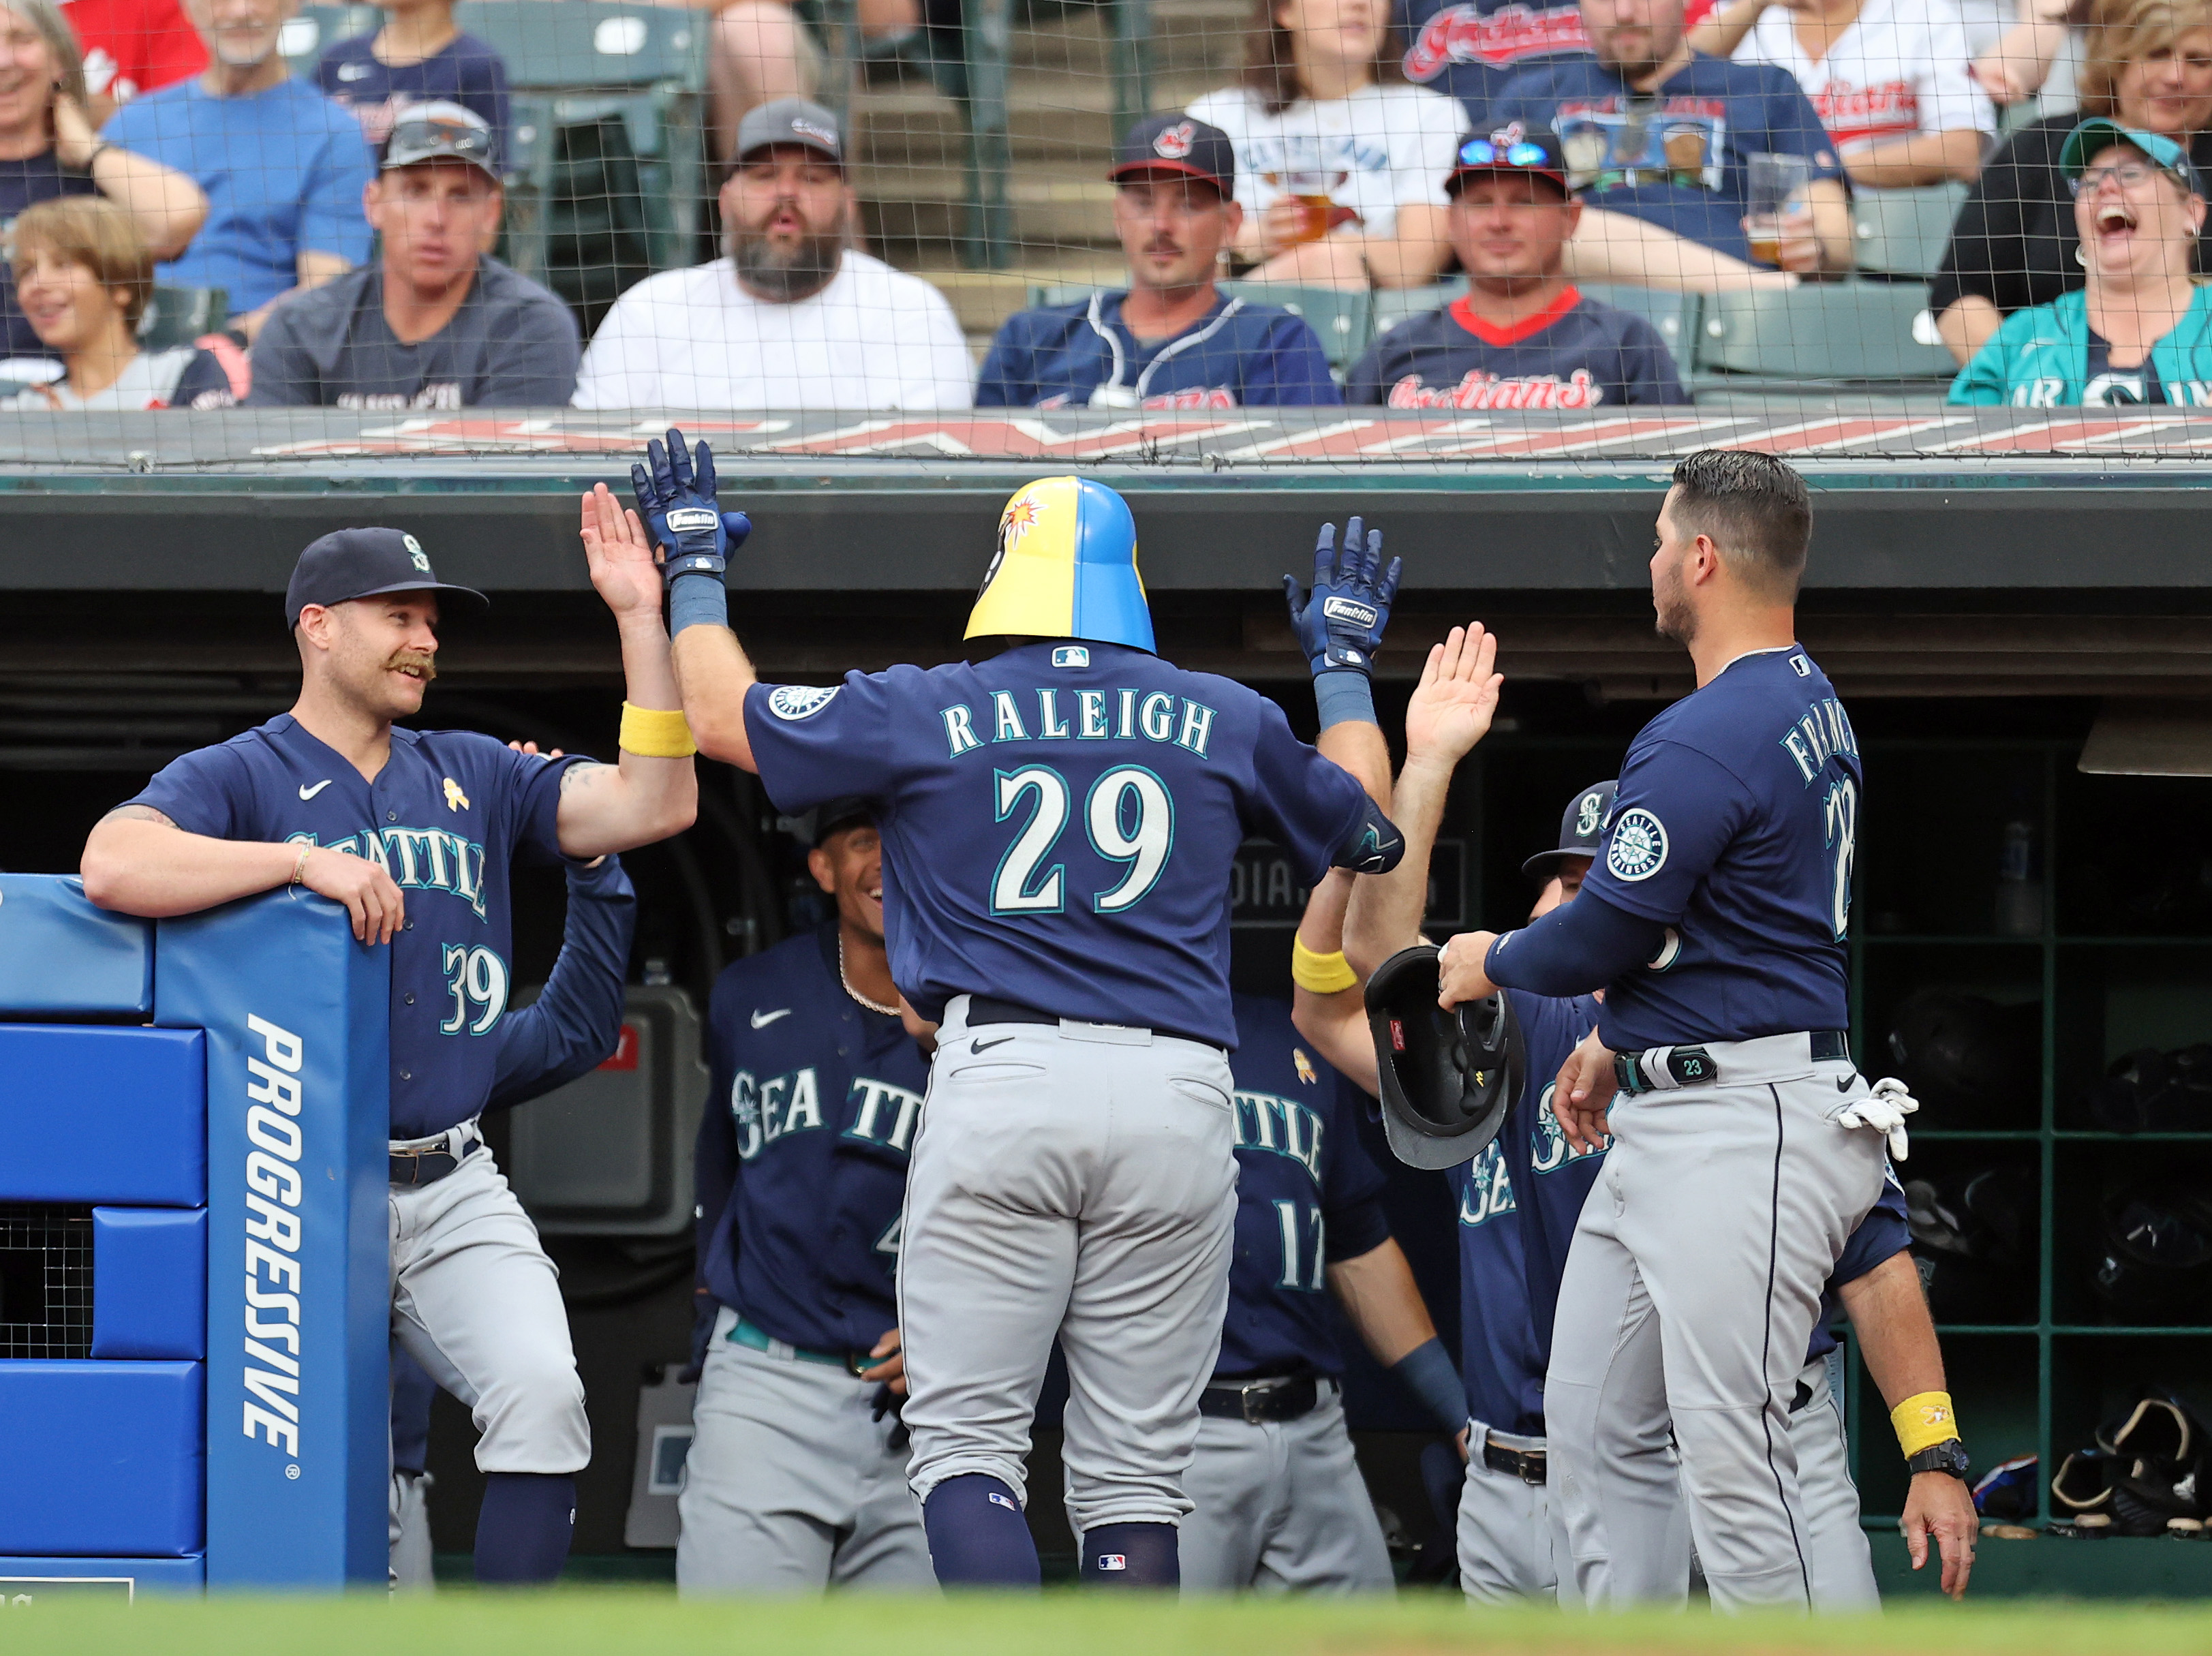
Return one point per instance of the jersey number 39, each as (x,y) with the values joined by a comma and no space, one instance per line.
(1128,813)
(476,977)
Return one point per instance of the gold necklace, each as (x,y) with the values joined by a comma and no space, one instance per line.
(872,1006)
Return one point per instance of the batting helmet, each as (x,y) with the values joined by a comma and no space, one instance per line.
(1448,1078)
(2154,1092)
(2156,1262)
(1065,568)
(1974,1238)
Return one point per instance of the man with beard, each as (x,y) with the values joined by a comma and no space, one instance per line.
(1655,131)
(434,323)
(1172,340)
(283,167)
(796,1478)
(1521,336)
(793,318)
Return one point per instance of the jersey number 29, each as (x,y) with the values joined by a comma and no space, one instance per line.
(1128,813)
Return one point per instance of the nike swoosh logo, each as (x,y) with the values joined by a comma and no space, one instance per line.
(309,793)
(763,1019)
(1843,1084)
(984,1046)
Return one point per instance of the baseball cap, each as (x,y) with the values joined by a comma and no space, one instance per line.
(2163,152)
(790,121)
(362,563)
(1582,828)
(439,132)
(1512,147)
(811,827)
(1176,143)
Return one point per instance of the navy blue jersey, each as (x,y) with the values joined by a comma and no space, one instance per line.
(1678,157)
(801,1166)
(1734,827)
(1469,49)
(1307,1196)
(576,1021)
(1882,1234)
(464,71)
(1518,1203)
(444,818)
(1576,353)
(1059,823)
(1239,355)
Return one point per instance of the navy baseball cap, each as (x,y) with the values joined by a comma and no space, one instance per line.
(811,827)
(1176,143)
(349,563)
(1581,828)
(1512,147)
(2163,152)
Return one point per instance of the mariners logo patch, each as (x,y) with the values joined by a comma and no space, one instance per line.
(414,553)
(796,702)
(1637,849)
(1588,814)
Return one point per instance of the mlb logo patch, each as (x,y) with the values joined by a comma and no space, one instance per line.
(1113,1561)
(998,1500)
(1071,655)
(1801,667)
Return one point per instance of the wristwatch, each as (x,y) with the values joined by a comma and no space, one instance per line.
(1948,1456)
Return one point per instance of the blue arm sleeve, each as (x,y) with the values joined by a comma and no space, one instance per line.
(1579,947)
(1426,1370)
(574,1023)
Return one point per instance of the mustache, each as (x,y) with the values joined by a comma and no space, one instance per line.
(409,657)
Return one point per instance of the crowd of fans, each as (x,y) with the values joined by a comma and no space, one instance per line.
(1516,148)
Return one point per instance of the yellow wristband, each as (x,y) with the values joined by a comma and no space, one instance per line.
(656,733)
(1924,1421)
(1324,974)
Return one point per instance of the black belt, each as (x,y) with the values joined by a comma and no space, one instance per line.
(1288,1397)
(1527,1465)
(990,1009)
(418,1168)
(1692,1066)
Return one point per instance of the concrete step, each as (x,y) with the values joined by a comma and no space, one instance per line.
(984,299)
(1054,205)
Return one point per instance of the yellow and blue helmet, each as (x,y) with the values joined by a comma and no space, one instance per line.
(1065,568)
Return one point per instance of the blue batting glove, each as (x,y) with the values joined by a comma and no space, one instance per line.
(1340,622)
(675,491)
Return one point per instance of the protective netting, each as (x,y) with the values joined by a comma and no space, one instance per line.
(46,1281)
(1478,229)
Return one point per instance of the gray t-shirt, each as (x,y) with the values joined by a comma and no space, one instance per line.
(511,344)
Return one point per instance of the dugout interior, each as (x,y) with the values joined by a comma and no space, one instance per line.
(1987,627)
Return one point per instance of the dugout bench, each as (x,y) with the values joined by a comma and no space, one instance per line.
(193,1259)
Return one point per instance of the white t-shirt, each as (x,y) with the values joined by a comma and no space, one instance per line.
(1379,149)
(149,381)
(1898,71)
(874,339)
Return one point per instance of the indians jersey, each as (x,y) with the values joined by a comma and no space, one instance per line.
(1059,822)
(444,818)
(1082,354)
(1896,72)
(1574,354)
(1472,48)
(1307,1196)
(801,1169)
(1735,828)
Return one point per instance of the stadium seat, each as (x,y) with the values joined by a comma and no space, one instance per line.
(177,316)
(1394,305)
(1343,317)
(598,45)
(1904,232)
(1820,334)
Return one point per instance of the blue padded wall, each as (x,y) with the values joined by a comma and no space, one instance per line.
(101,1459)
(97,1115)
(61,958)
(149,1282)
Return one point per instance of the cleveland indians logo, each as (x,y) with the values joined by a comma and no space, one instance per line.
(1174,143)
(1509,135)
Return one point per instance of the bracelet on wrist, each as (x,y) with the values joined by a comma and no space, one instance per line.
(300,865)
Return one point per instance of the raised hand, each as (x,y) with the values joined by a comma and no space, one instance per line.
(624,569)
(1452,708)
(1339,622)
(675,491)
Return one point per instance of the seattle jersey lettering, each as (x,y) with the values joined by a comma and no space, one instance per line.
(417,859)
(766,1110)
(1282,1125)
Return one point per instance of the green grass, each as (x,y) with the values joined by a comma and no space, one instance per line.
(603,1621)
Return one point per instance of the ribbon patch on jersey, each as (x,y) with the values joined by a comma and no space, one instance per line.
(1637,849)
(795,702)
(1304,1066)
(455,800)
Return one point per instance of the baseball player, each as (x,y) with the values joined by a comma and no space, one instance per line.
(1519,1201)
(796,1478)
(1059,824)
(573,1026)
(413,831)
(1277,1500)
(1741,1163)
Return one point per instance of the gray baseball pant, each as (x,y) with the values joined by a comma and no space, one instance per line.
(1695,1271)
(1280,1506)
(791,1484)
(1077,1180)
(475,1301)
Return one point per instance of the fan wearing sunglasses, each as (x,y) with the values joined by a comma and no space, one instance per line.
(1521,336)
(434,322)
